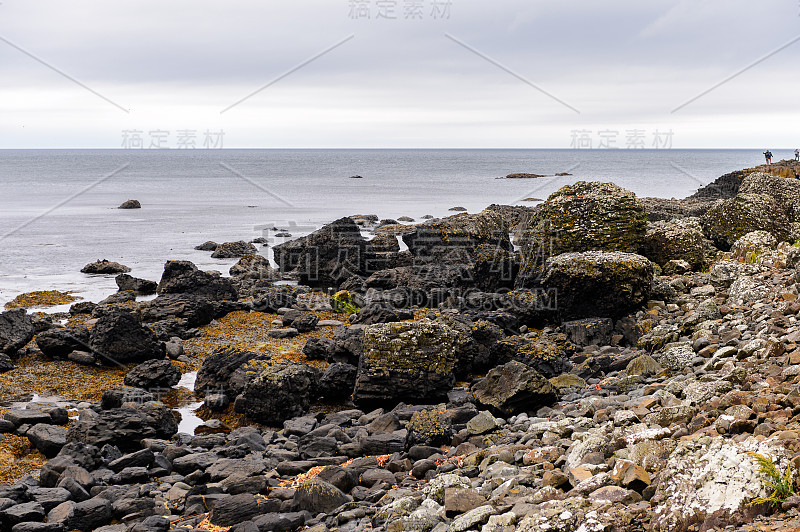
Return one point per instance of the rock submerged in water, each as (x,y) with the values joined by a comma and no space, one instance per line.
(105,267)
(131,204)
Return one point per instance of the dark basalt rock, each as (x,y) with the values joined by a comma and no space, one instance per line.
(220,372)
(207,246)
(380,313)
(338,381)
(514,388)
(16,330)
(124,427)
(194,310)
(141,287)
(153,374)
(131,204)
(183,277)
(119,338)
(327,256)
(105,267)
(277,392)
(59,342)
(254,267)
(230,250)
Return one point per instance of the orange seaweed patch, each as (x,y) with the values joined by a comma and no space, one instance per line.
(46,298)
(17,458)
(299,479)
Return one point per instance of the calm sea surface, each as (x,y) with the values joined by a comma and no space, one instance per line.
(58,207)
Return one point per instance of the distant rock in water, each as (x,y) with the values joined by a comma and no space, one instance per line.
(458,209)
(131,204)
(356,177)
(105,267)
(140,286)
(207,246)
(562,174)
(523,175)
(230,250)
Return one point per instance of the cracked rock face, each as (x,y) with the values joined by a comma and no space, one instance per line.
(713,480)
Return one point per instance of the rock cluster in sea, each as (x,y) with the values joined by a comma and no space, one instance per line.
(616,370)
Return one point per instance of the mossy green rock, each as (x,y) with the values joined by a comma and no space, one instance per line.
(317,496)
(406,361)
(728,220)
(785,191)
(598,284)
(568,380)
(542,354)
(585,216)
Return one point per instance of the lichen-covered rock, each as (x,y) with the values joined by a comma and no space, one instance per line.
(785,191)
(183,277)
(317,496)
(576,514)
(276,391)
(730,219)
(598,284)
(644,366)
(658,337)
(232,250)
(428,427)
(723,273)
(751,245)
(436,488)
(514,388)
(677,239)
(130,204)
(677,356)
(406,361)
(327,256)
(747,290)
(541,354)
(712,481)
(585,216)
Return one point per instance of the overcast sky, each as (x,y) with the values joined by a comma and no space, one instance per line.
(464,73)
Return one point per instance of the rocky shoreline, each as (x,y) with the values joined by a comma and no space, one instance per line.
(598,362)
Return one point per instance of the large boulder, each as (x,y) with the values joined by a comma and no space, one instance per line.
(677,239)
(58,342)
(221,372)
(730,219)
(585,216)
(16,330)
(514,388)
(711,484)
(196,310)
(542,354)
(277,391)
(119,338)
(231,250)
(124,427)
(785,191)
(456,238)
(153,374)
(406,361)
(183,277)
(597,283)
(327,256)
(750,246)
(254,267)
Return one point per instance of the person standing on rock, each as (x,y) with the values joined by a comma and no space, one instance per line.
(768,156)
(796,155)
